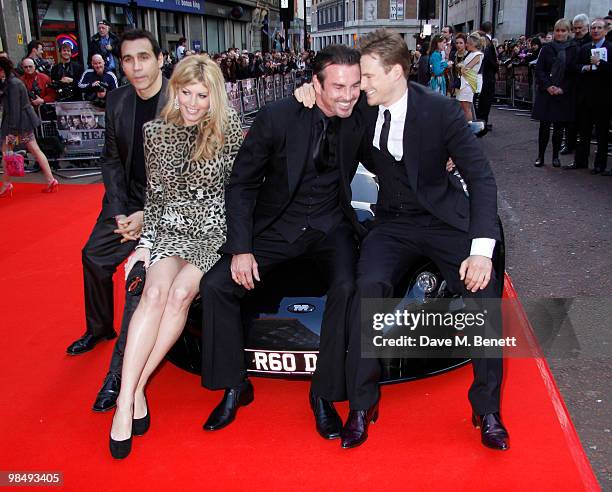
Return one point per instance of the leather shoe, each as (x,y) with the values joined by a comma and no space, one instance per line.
(565,150)
(355,431)
(493,434)
(225,412)
(556,162)
(607,172)
(329,424)
(107,396)
(539,162)
(573,165)
(87,342)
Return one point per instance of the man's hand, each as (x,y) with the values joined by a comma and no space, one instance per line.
(306,95)
(130,227)
(244,268)
(450,165)
(475,271)
(38,101)
(595,59)
(96,83)
(66,80)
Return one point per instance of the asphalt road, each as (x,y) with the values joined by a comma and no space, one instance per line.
(558,227)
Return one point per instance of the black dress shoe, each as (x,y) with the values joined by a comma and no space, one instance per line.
(539,162)
(556,162)
(225,412)
(489,127)
(573,165)
(607,172)
(107,396)
(120,449)
(355,431)
(329,424)
(87,342)
(565,150)
(141,426)
(596,170)
(493,434)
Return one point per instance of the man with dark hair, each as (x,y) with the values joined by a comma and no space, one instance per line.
(181,49)
(608,20)
(119,224)
(106,44)
(451,49)
(35,53)
(489,71)
(289,197)
(66,75)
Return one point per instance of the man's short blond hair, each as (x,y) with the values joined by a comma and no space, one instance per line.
(389,47)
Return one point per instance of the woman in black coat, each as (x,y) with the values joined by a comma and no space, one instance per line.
(554,101)
(19,121)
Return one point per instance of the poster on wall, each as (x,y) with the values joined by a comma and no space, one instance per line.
(233,94)
(81,126)
(288,85)
(269,89)
(370,9)
(249,95)
(278,86)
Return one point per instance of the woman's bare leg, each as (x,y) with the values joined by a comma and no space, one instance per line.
(185,287)
(41,158)
(467,110)
(6,179)
(142,334)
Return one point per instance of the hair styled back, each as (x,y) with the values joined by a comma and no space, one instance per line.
(201,69)
(389,47)
(333,54)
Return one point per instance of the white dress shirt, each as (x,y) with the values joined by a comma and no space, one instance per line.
(481,245)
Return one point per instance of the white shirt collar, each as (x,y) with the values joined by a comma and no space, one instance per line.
(397,109)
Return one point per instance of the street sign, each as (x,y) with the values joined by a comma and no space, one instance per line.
(19,38)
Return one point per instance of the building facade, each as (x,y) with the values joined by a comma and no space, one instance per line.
(344,21)
(207,25)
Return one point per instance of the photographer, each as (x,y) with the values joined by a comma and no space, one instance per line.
(96,82)
(37,84)
(66,75)
(105,44)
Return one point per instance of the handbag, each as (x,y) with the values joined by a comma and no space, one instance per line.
(14,163)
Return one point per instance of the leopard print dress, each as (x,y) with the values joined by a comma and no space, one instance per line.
(184,213)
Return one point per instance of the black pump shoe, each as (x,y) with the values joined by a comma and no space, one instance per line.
(120,449)
(141,426)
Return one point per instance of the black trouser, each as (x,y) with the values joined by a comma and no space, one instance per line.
(335,255)
(544,137)
(587,117)
(389,251)
(571,135)
(102,254)
(485,100)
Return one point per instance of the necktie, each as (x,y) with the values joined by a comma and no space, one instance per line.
(321,149)
(384,134)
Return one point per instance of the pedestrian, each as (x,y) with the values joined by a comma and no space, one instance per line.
(554,99)
(19,121)
(106,44)
(97,82)
(437,64)
(489,73)
(469,75)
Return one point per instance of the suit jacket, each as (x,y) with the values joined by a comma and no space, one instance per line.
(269,167)
(116,160)
(435,129)
(489,64)
(594,86)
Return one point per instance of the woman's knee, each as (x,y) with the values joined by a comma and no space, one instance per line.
(154,296)
(180,297)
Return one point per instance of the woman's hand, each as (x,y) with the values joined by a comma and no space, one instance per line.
(139,254)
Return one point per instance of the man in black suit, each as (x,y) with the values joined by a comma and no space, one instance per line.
(118,226)
(289,197)
(411,132)
(594,100)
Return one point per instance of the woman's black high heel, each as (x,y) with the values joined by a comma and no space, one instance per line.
(141,426)
(120,449)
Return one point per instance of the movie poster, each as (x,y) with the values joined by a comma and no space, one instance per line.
(269,89)
(233,94)
(249,95)
(261,92)
(521,83)
(288,84)
(278,86)
(81,126)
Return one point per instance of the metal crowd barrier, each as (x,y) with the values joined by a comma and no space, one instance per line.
(79,126)
(515,86)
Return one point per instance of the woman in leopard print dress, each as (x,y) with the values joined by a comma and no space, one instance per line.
(189,154)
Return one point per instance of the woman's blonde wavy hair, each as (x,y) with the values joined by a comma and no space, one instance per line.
(201,69)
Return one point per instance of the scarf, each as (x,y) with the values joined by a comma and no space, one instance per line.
(557,71)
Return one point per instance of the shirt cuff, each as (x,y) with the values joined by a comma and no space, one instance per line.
(482,246)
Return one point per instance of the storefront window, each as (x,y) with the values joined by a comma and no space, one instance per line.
(56,19)
(170,23)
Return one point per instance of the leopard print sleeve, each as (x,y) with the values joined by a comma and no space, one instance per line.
(233,141)
(153,134)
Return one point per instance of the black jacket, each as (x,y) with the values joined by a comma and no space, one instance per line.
(72,70)
(436,129)
(489,64)
(270,165)
(95,48)
(116,158)
(594,86)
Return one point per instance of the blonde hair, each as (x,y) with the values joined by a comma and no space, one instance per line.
(564,23)
(200,69)
(389,47)
(477,40)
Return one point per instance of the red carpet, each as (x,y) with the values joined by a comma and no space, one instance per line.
(423,440)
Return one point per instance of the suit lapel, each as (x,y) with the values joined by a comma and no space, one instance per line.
(161,100)
(129,108)
(297,144)
(412,141)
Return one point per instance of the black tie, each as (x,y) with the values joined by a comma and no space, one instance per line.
(384,133)
(321,148)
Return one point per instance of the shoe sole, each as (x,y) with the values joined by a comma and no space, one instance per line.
(103,410)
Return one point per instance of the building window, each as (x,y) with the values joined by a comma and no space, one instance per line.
(170,23)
